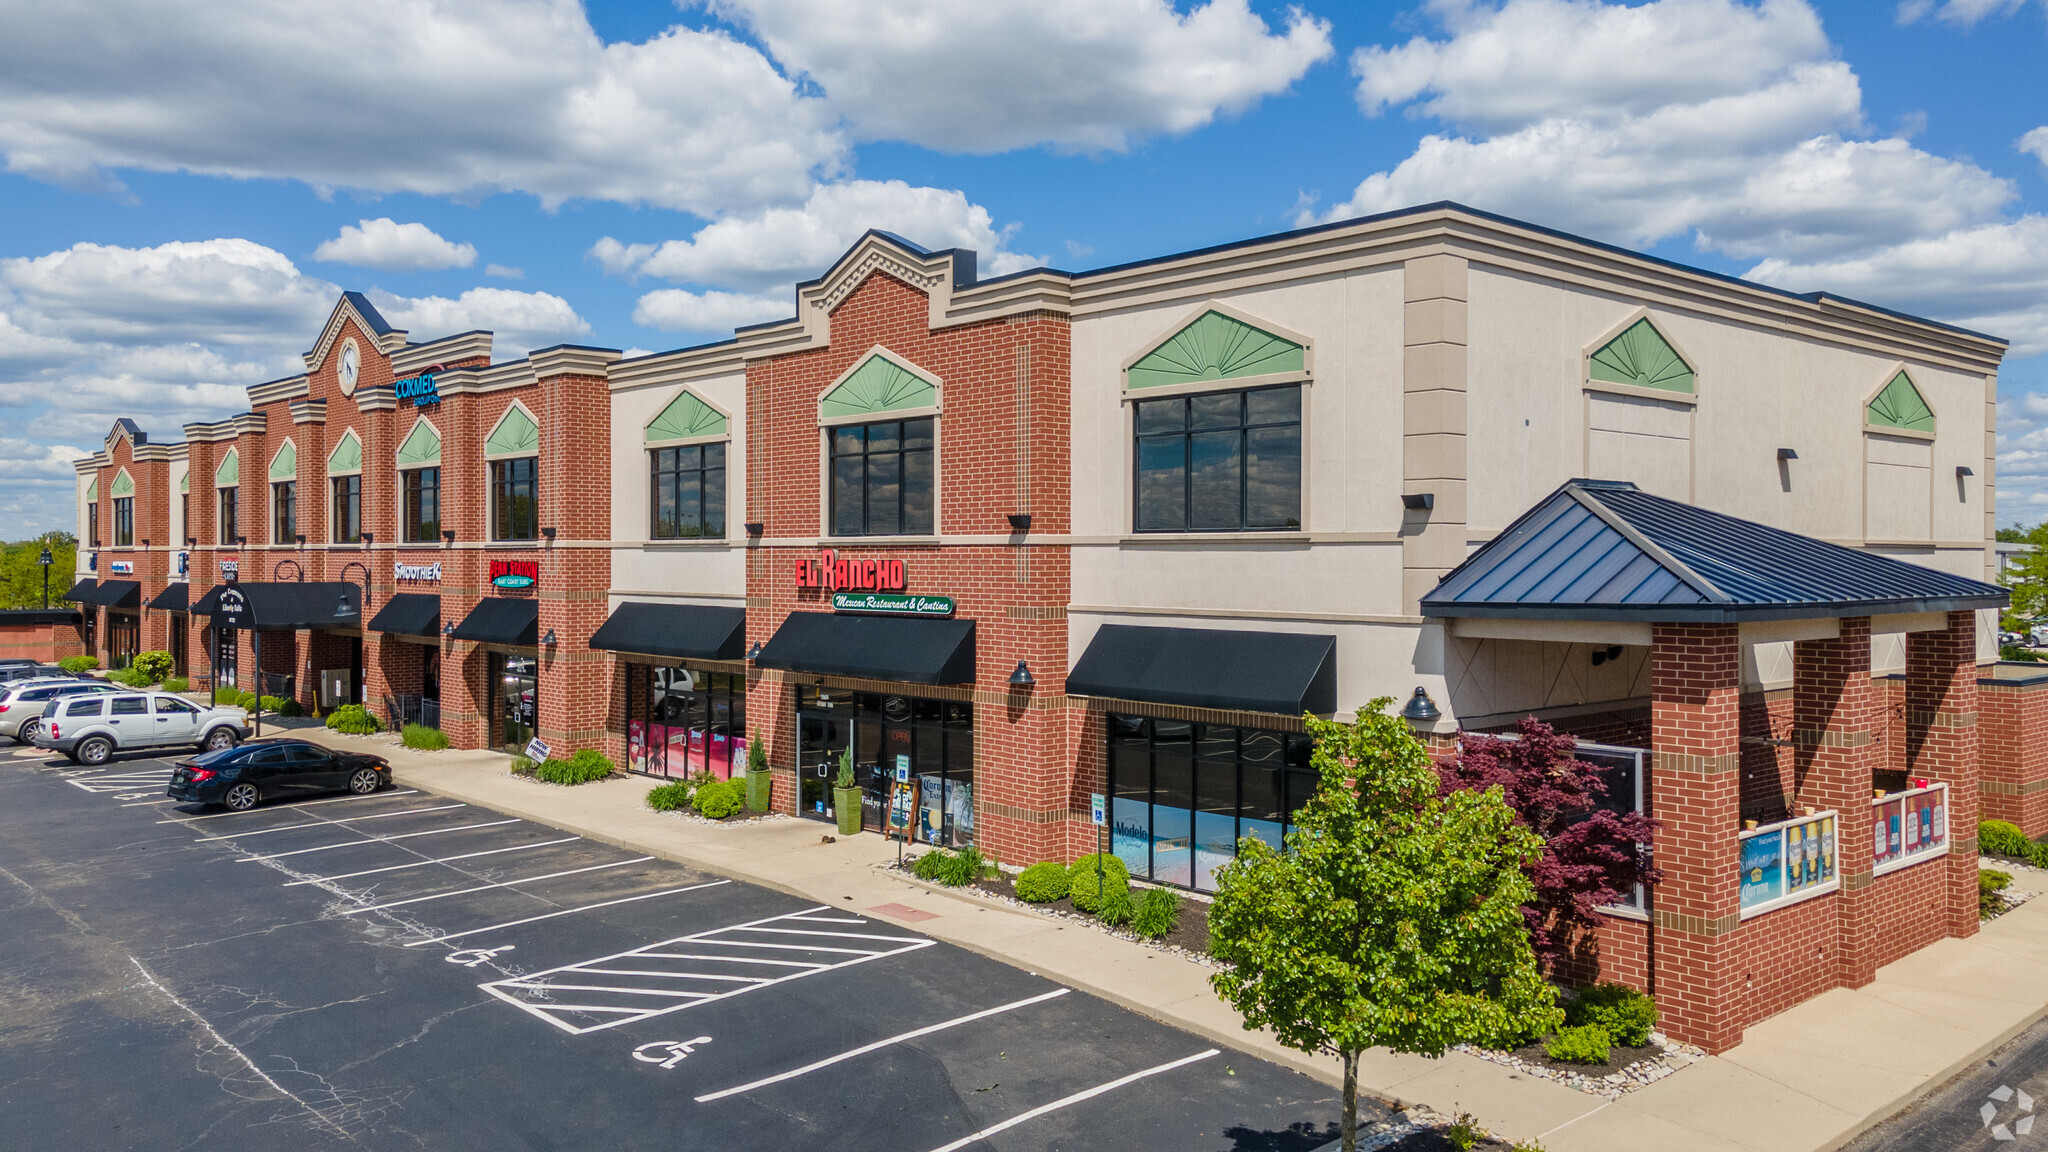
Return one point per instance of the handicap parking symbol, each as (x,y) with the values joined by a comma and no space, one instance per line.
(668,1053)
(471,957)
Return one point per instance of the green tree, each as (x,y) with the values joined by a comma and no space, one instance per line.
(21,577)
(1394,917)
(2027,578)
(2012,535)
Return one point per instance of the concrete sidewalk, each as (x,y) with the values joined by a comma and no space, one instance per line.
(1808,1080)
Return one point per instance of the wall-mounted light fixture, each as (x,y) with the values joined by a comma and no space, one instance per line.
(1603,655)
(549,639)
(754,653)
(369,538)
(448,629)
(755,528)
(191,541)
(1788,454)
(1022,677)
(1420,707)
(447,537)
(549,533)
(1019,521)
(1418,502)
(241,541)
(1962,470)
(301,540)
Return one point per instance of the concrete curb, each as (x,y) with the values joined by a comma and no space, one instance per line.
(1933,1083)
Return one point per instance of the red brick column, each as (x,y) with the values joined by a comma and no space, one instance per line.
(1941,743)
(1695,716)
(1836,713)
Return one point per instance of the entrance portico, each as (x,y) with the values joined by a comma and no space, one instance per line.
(1775,885)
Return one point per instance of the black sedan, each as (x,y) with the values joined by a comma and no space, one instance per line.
(244,776)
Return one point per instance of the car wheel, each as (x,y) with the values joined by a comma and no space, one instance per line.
(93,750)
(364,781)
(241,798)
(29,728)
(220,738)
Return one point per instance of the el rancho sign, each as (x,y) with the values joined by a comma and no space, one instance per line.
(838,573)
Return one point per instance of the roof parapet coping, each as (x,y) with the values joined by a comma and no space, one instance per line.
(571,360)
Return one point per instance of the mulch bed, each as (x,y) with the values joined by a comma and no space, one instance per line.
(1190,933)
(1618,1058)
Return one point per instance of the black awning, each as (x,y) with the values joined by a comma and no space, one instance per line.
(502,620)
(291,606)
(31,616)
(107,593)
(873,648)
(172,598)
(1285,672)
(681,631)
(409,614)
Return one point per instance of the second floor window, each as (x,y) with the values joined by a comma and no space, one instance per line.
(92,523)
(689,491)
(882,478)
(513,496)
(284,498)
(1219,462)
(230,525)
(348,509)
(184,517)
(124,522)
(422,512)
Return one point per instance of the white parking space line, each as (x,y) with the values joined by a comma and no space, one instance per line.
(125,781)
(864,1049)
(533,993)
(326,823)
(423,863)
(499,884)
(293,807)
(1076,1098)
(564,912)
(149,803)
(375,840)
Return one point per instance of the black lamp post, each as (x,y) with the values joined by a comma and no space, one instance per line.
(46,560)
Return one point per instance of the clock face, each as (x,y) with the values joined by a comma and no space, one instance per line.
(351,365)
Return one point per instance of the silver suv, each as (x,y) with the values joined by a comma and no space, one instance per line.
(21,702)
(91,729)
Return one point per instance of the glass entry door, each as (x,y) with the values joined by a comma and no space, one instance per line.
(824,726)
(124,637)
(515,682)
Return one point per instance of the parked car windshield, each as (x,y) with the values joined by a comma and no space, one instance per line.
(222,756)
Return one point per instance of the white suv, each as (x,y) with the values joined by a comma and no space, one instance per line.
(22,701)
(91,729)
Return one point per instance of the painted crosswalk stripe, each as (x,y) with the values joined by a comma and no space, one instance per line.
(617,989)
(1076,1098)
(291,807)
(899,1038)
(499,884)
(563,912)
(327,823)
(424,863)
(375,840)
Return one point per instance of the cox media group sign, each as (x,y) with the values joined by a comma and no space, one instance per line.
(421,390)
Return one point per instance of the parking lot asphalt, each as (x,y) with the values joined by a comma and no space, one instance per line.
(1996,1103)
(404,971)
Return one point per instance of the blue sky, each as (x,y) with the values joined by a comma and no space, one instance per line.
(185,185)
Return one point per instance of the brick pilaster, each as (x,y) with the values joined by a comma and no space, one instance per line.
(1836,749)
(1941,743)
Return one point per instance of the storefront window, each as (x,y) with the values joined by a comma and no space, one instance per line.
(285,501)
(683,721)
(930,742)
(882,478)
(689,491)
(1219,462)
(92,524)
(124,522)
(348,509)
(422,505)
(1183,794)
(513,515)
(230,529)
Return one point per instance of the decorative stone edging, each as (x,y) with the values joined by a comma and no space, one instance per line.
(1082,918)
(1622,1081)
(693,818)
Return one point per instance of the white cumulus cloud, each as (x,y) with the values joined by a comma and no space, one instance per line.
(711,312)
(992,75)
(387,245)
(521,320)
(1961,12)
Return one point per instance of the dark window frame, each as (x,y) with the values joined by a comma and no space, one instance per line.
(347,521)
(92,523)
(284,511)
(670,469)
(416,527)
(508,487)
(124,521)
(872,456)
(1152,440)
(229,521)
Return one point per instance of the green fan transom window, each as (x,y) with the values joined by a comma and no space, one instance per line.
(878,385)
(124,484)
(515,434)
(92,491)
(422,446)
(1900,405)
(285,465)
(347,455)
(1642,358)
(684,418)
(185,483)
(1216,347)
(229,473)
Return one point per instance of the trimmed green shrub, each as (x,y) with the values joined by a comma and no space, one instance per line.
(1117,908)
(1990,882)
(1585,1044)
(521,766)
(353,719)
(423,738)
(244,700)
(719,799)
(286,706)
(1083,887)
(954,869)
(1998,838)
(177,684)
(77,664)
(1626,1015)
(1158,913)
(127,678)
(669,797)
(1043,883)
(153,666)
(591,760)
(575,770)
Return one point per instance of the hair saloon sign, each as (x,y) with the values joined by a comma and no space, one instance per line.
(834,572)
